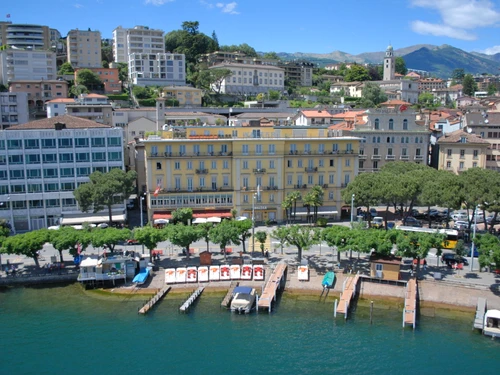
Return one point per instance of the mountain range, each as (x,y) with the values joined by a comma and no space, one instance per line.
(440,61)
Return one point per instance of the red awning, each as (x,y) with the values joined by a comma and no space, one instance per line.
(198,214)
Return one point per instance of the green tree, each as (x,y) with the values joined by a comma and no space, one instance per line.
(280,235)
(109,237)
(357,73)
(191,27)
(261,238)
(474,190)
(141,92)
(27,244)
(317,200)
(469,85)
(105,189)
(243,48)
(215,41)
(302,237)
(458,74)
(182,215)
(271,56)
(212,79)
(372,95)
(205,232)
(427,100)
(122,71)
(150,237)
(294,196)
(308,201)
(89,79)
(488,247)
(225,234)
(243,227)
(287,205)
(106,53)
(400,66)
(337,236)
(68,238)
(65,69)
(365,188)
(183,235)
(492,89)
(77,90)
(273,95)
(416,245)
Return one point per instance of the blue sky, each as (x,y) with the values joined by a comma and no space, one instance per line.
(320,26)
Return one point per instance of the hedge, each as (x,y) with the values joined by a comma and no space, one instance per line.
(123,97)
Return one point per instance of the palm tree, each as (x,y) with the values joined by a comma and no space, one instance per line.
(318,194)
(287,206)
(309,201)
(261,237)
(295,196)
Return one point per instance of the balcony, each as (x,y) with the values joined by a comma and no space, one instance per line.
(362,157)
(404,157)
(376,157)
(194,190)
(390,157)
(271,188)
(344,185)
(202,171)
(419,157)
(259,170)
(303,186)
(325,186)
(311,170)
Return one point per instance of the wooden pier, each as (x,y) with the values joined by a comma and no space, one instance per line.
(158,296)
(227,299)
(192,298)
(276,281)
(480,311)
(410,310)
(348,293)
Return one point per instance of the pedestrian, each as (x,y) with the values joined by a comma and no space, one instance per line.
(425,264)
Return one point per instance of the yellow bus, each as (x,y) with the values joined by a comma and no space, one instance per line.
(451,234)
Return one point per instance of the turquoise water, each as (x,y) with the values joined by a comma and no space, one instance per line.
(65,331)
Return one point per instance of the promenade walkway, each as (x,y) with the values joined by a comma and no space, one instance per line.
(275,282)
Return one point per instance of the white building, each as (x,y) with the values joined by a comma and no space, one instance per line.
(43,161)
(251,79)
(57,107)
(140,39)
(27,65)
(160,69)
(389,64)
(13,108)
(84,48)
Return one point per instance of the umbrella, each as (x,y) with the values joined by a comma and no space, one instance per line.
(214,220)
(241,218)
(199,220)
(161,221)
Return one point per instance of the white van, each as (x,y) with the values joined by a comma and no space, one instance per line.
(460,216)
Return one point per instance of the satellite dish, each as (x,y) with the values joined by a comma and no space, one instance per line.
(486,121)
(469,130)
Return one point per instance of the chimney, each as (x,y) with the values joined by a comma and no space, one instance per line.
(59,126)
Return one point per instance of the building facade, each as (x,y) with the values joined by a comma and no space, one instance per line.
(389,64)
(13,109)
(300,72)
(140,39)
(84,49)
(92,107)
(390,135)
(431,84)
(185,96)
(486,126)
(40,92)
(460,150)
(109,77)
(43,161)
(18,65)
(21,36)
(250,79)
(217,169)
(160,69)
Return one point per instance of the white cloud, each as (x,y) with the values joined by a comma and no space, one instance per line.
(78,6)
(158,2)
(229,8)
(207,4)
(457,16)
(492,50)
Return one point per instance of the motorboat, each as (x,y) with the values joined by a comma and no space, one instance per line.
(328,279)
(492,323)
(243,299)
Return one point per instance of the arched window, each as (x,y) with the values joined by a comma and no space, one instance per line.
(421,139)
(388,139)
(377,124)
(391,124)
(374,139)
(402,139)
(405,124)
(378,139)
(407,139)
(416,139)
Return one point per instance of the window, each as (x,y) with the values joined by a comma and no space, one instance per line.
(448,152)
(34,188)
(115,156)
(202,181)
(33,173)
(272,149)
(225,164)
(114,141)
(67,172)
(65,142)
(245,198)
(98,142)
(244,149)
(331,179)
(321,163)
(289,163)
(405,124)
(418,152)
(299,163)
(52,202)
(66,158)
(391,124)
(332,163)
(189,165)
(82,157)
(98,156)
(158,165)
(289,179)
(448,164)
(33,159)
(31,144)
(475,154)
(67,186)
(16,174)
(177,165)
(375,151)
(259,164)
(81,142)
(14,144)
(462,154)
(258,149)
(310,180)
(271,164)
(48,143)
(15,159)
(83,172)
(461,166)
(377,124)
(347,162)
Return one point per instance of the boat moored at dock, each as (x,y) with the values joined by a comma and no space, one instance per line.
(243,299)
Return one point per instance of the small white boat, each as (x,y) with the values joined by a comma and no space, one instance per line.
(492,323)
(243,299)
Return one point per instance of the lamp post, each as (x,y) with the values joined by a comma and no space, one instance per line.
(352,210)
(473,239)
(141,198)
(253,223)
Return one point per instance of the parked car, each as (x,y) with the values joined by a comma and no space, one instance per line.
(378,222)
(490,218)
(412,222)
(460,216)
(463,225)
(452,258)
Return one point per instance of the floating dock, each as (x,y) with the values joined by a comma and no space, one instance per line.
(192,298)
(410,310)
(158,296)
(348,293)
(276,281)
(227,299)
(480,311)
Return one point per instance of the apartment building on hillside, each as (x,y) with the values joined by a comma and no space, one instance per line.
(109,77)
(25,36)
(461,150)
(140,39)
(486,125)
(84,48)
(13,109)
(161,69)
(18,65)
(40,92)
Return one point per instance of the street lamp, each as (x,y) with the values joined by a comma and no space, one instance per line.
(473,238)
(141,198)
(255,196)
(352,210)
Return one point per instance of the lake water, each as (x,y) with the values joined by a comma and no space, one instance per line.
(65,330)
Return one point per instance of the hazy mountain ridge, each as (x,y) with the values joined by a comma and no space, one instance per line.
(438,60)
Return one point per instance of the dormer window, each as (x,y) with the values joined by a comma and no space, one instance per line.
(463,139)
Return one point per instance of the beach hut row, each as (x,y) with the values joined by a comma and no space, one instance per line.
(214,273)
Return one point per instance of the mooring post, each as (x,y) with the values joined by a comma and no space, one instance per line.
(335,308)
(257,303)
(371,312)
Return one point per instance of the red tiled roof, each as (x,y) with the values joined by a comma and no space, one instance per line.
(457,135)
(316,114)
(197,214)
(62,100)
(394,102)
(71,122)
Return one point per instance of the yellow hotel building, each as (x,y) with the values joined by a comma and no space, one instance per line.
(214,169)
